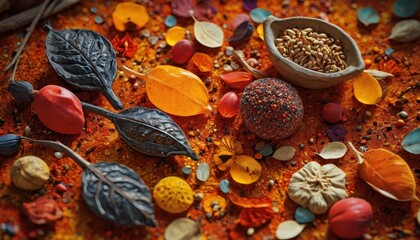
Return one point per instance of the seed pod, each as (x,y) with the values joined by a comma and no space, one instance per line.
(29,173)
(9,144)
(59,110)
(21,91)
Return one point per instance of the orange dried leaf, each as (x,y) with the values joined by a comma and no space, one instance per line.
(387,173)
(252,202)
(245,169)
(367,89)
(129,16)
(203,62)
(237,80)
(254,217)
(177,91)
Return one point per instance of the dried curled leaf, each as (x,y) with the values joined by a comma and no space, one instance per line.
(237,80)
(387,173)
(405,31)
(207,33)
(367,89)
(254,217)
(333,150)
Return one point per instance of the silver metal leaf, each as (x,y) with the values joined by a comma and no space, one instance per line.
(116,193)
(84,59)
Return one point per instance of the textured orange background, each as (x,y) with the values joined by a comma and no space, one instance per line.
(103,143)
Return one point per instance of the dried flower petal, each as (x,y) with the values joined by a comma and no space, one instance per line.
(129,16)
(42,210)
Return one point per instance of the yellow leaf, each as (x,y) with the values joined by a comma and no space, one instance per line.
(177,91)
(387,173)
(367,89)
(245,169)
(129,16)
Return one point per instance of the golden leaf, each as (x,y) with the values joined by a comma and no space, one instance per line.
(175,90)
(245,169)
(387,173)
(367,89)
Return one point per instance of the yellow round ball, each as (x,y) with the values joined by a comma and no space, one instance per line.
(173,194)
(29,173)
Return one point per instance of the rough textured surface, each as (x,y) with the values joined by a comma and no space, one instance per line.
(271,108)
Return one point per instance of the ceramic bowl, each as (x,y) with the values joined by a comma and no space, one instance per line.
(304,77)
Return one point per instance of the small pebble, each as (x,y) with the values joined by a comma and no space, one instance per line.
(400,123)
(203,172)
(293,163)
(367,137)
(170,21)
(389,127)
(303,215)
(227,68)
(270,183)
(61,187)
(369,131)
(224,185)
(276,210)
(198,197)
(27,131)
(301,146)
(187,170)
(145,33)
(208,215)
(250,231)
(99,19)
(121,74)
(153,40)
(311,141)
(58,155)
(266,150)
(93,10)
(403,114)
(368,114)
(359,128)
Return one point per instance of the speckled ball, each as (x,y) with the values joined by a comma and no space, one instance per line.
(271,108)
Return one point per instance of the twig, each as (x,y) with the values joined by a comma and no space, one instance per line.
(25,17)
(27,36)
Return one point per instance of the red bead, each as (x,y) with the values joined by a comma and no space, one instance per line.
(332,112)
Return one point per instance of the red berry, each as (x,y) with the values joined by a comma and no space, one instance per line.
(229,105)
(59,110)
(349,218)
(332,112)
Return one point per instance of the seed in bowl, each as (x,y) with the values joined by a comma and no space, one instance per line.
(312,50)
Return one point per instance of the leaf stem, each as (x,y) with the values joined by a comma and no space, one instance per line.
(31,29)
(255,72)
(58,146)
(142,76)
(98,110)
(358,154)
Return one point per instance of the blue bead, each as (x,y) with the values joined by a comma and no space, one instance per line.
(259,15)
(99,19)
(187,170)
(303,215)
(266,150)
(406,8)
(224,185)
(389,51)
(203,172)
(170,21)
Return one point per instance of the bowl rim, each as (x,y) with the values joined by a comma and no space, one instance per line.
(269,39)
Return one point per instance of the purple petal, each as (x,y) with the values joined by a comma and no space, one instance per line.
(181,8)
(249,4)
(336,132)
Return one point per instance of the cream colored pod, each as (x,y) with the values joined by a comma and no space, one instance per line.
(317,187)
(29,173)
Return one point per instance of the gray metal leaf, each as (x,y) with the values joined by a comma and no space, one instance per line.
(116,193)
(84,59)
(152,132)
